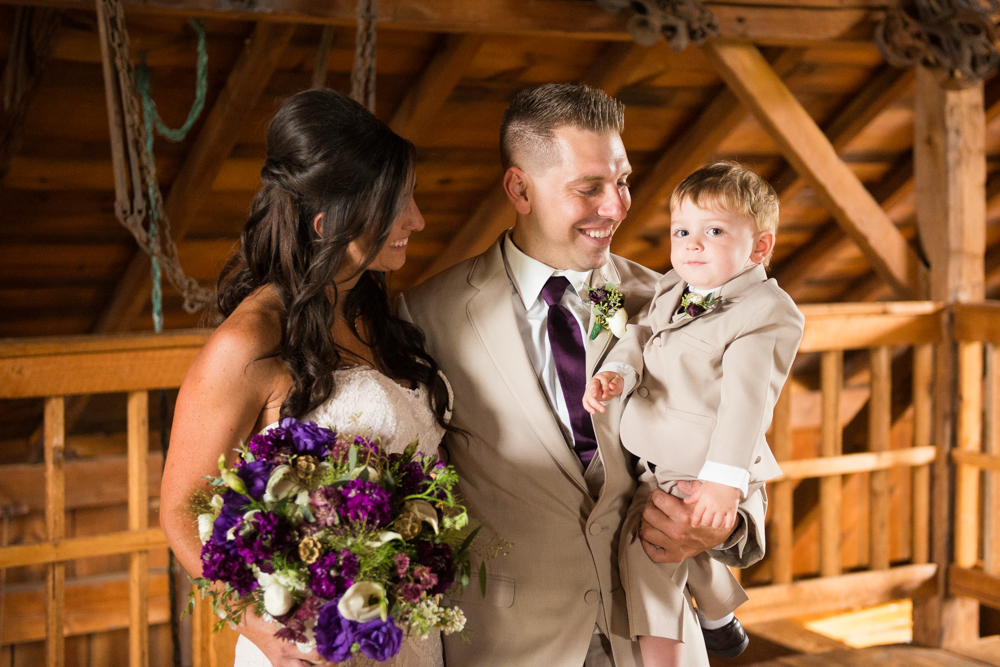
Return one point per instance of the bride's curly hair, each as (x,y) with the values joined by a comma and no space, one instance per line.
(327,154)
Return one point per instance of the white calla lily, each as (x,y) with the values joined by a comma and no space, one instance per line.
(362,602)
(618,323)
(205,524)
(282,483)
(424,511)
(277,599)
(384,537)
(217,502)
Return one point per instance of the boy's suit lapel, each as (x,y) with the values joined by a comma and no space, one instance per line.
(491,312)
(732,291)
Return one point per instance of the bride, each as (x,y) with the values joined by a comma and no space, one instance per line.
(308,330)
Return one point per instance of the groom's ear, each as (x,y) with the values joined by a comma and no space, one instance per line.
(515,184)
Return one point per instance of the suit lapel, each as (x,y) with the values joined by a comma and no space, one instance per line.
(491,312)
(597,348)
(673,300)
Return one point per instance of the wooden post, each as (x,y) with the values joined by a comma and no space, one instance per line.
(992,434)
(950,194)
(55,526)
(138,519)
(782,515)
(923,388)
(832,379)
(879,432)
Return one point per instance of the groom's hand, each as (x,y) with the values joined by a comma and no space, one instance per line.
(666,532)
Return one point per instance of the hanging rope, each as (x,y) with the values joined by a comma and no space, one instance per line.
(363,74)
(135,172)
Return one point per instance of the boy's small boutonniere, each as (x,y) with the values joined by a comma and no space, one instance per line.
(693,305)
(609,310)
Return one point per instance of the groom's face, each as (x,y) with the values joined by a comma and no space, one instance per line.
(573,207)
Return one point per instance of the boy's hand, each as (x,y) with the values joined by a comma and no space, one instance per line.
(602,387)
(714,505)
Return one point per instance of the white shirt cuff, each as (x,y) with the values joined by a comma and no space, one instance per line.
(720,473)
(627,372)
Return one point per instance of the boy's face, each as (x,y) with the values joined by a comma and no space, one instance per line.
(569,211)
(708,246)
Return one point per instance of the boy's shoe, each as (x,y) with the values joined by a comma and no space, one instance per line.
(726,642)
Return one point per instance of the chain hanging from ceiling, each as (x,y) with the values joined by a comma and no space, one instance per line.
(955,38)
(680,22)
(363,74)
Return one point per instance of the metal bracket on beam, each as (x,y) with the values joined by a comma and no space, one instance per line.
(680,22)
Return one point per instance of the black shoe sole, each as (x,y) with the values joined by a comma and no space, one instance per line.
(733,652)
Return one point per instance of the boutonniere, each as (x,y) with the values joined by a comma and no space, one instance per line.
(609,310)
(695,305)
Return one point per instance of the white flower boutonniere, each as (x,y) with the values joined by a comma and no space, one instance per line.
(609,310)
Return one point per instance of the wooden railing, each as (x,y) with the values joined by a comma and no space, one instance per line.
(864,339)
(52,369)
(975,570)
(877,330)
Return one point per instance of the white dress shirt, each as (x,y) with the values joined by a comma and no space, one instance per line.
(528,276)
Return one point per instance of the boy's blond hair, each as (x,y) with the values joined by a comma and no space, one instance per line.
(730,185)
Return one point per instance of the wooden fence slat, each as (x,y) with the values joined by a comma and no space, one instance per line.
(138,519)
(976,322)
(832,380)
(992,432)
(857,326)
(782,529)
(968,435)
(82,547)
(848,464)
(974,583)
(879,431)
(923,392)
(55,524)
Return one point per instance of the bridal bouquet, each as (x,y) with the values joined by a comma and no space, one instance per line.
(346,546)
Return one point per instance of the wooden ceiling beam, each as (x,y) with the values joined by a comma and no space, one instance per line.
(769,24)
(882,90)
(193,184)
(426,97)
(828,244)
(495,213)
(805,146)
(682,155)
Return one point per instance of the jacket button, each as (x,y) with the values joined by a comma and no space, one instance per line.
(758,460)
(643,392)
(595,529)
(591,597)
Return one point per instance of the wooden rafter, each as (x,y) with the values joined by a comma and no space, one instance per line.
(806,147)
(193,183)
(828,244)
(495,212)
(551,18)
(438,79)
(682,155)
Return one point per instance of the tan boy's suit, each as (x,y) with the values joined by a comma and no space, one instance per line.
(522,480)
(706,390)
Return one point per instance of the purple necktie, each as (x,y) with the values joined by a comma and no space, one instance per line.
(571,366)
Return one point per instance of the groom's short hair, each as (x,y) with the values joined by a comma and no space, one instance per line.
(534,113)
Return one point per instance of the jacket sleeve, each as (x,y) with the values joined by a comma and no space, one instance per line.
(628,350)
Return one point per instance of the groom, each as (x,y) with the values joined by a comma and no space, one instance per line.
(511,330)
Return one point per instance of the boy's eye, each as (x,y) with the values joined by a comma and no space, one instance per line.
(715,231)
(680,233)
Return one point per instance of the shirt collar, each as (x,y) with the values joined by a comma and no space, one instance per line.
(530,275)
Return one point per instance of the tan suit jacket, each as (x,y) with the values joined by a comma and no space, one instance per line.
(707,385)
(522,480)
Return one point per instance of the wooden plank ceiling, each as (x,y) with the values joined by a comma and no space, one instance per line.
(445,75)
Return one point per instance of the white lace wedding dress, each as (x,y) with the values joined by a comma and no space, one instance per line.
(365,399)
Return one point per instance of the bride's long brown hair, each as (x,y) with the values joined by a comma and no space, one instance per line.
(327,154)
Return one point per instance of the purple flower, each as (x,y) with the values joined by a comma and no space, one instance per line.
(333,574)
(233,505)
(424,575)
(256,474)
(265,536)
(325,501)
(402,562)
(308,437)
(366,503)
(378,639)
(334,634)
(410,592)
(411,478)
(265,445)
(597,295)
(438,558)
(221,563)
(695,309)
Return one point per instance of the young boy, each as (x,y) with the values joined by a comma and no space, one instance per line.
(703,365)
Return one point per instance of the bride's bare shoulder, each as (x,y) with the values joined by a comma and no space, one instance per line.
(250,334)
